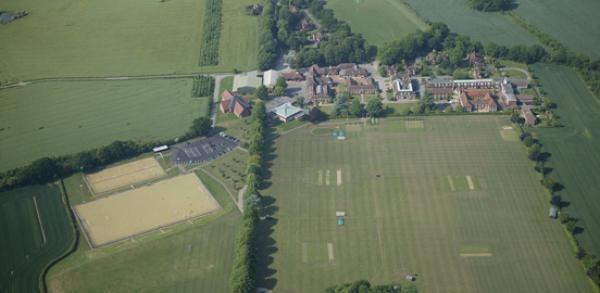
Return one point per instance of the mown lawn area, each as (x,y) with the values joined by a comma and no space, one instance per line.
(36,229)
(445,198)
(575,23)
(482,26)
(58,118)
(185,258)
(112,37)
(574,147)
(379,21)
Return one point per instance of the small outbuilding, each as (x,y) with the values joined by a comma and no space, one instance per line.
(553,213)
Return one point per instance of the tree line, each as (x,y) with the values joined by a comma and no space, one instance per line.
(491,5)
(204,86)
(243,277)
(211,33)
(363,286)
(49,169)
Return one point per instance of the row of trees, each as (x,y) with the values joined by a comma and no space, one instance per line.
(348,106)
(242,278)
(536,154)
(47,169)
(491,5)
(211,33)
(204,86)
(267,40)
(363,286)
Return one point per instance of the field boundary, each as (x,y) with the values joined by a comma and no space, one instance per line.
(39,218)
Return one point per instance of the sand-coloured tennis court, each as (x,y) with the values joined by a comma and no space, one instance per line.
(124,175)
(140,210)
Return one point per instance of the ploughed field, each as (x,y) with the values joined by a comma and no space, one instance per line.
(453,200)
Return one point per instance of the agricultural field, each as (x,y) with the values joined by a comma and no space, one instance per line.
(481,26)
(453,200)
(379,21)
(574,23)
(574,147)
(36,230)
(54,40)
(186,257)
(58,118)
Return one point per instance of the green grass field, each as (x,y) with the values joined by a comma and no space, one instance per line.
(58,118)
(446,198)
(574,148)
(36,230)
(575,23)
(379,21)
(99,38)
(485,27)
(187,258)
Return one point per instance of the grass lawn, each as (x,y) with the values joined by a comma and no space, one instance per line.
(230,169)
(574,148)
(379,21)
(575,23)
(58,118)
(36,230)
(482,26)
(187,258)
(446,198)
(226,84)
(129,38)
(398,108)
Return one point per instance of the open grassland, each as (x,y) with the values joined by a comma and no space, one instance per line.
(575,23)
(185,258)
(575,147)
(379,21)
(36,229)
(112,37)
(125,175)
(446,198)
(144,209)
(58,118)
(230,170)
(481,26)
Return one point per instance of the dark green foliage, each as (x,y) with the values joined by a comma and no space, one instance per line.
(374,107)
(204,86)
(200,127)
(491,5)
(550,184)
(262,92)
(268,46)
(211,33)
(363,286)
(316,115)
(356,108)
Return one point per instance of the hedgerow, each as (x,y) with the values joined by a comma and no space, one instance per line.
(211,33)
(203,86)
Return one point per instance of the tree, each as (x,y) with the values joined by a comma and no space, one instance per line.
(374,107)
(262,92)
(316,115)
(564,217)
(355,108)
(535,152)
(550,184)
(528,141)
(300,101)
(571,226)
(280,87)
(200,126)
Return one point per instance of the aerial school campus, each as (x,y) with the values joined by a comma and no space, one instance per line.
(299,146)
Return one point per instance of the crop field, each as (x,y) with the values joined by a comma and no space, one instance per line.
(482,26)
(575,23)
(54,40)
(574,148)
(36,229)
(58,118)
(379,21)
(125,175)
(445,198)
(186,257)
(144,209)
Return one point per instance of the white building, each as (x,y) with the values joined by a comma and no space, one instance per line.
(270,78)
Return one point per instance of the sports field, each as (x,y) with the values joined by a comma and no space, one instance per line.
(125,175)
(482,26)
(58,118)
(575,147)
(379,21)
(574,23)
(446,198)
(112,37)
(35,230)
(186,257)
(140,210)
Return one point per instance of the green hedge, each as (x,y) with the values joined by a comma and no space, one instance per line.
(211,33)
(204,86)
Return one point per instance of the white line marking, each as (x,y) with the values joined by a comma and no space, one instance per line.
(482,254)
(37,211)
(330,252)
(320,178)
(339,177)
(451,183)
(327,177)
(470,182)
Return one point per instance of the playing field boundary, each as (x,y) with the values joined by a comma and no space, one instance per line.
(39,219)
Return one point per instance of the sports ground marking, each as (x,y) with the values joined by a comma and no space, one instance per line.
(320,177)
(327,177)
(451,183)
(330,252)
(470,182)
(339,177)
(37,211)
(482,254)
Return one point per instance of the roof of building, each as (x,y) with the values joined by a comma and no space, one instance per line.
(287,110)
(508,91)
(235,104)
(227,95)
(249,79)
(270,77)
(401,85)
